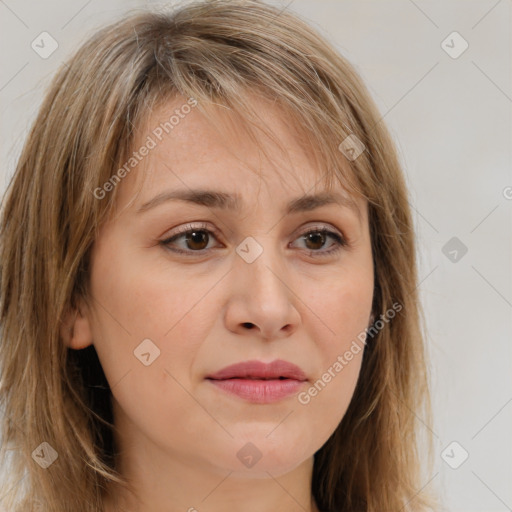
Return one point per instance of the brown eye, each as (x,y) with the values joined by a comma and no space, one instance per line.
(315,239)
(197,240)
(190,239)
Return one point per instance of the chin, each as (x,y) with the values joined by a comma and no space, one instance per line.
(258,455)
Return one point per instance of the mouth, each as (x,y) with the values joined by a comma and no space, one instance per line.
(248,377)
(258,370)
(258,382)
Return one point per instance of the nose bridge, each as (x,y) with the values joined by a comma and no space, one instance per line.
(263,288)
(261,267)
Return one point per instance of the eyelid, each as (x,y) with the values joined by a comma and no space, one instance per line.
(321,227)
(204,226)
(185,228)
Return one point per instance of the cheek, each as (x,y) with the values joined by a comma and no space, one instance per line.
(326,400)
(341,350)
(340,311)
(338,320)
(135,303)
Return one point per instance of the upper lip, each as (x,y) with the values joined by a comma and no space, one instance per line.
(260,370)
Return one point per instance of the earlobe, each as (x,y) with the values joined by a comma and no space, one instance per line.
(75,329)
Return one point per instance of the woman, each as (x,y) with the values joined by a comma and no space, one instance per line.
(209,279)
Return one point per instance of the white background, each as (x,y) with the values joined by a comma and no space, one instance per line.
(451,119)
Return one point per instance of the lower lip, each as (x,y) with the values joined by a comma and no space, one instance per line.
(259,391)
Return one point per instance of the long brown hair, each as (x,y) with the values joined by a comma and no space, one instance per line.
(214,52)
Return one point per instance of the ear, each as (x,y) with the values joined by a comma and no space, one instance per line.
(75,328)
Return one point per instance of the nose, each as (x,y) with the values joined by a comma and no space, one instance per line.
(261,298)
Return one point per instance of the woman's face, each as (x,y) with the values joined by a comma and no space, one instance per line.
(248,286)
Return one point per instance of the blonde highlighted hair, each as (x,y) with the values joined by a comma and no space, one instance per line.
(219,53)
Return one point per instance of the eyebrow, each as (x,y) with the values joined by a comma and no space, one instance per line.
(233,202)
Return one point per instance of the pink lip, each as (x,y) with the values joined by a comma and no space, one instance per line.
(260,382)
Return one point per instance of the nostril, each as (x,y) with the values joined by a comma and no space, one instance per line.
(248,325)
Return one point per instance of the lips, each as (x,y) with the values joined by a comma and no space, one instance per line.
(258,382)
(257,370)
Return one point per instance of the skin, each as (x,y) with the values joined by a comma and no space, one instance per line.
(178,434)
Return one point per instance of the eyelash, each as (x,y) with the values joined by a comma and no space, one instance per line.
(340,240)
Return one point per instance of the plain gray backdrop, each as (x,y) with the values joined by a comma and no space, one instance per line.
(449,109)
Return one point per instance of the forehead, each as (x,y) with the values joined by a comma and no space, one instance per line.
(210,160)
